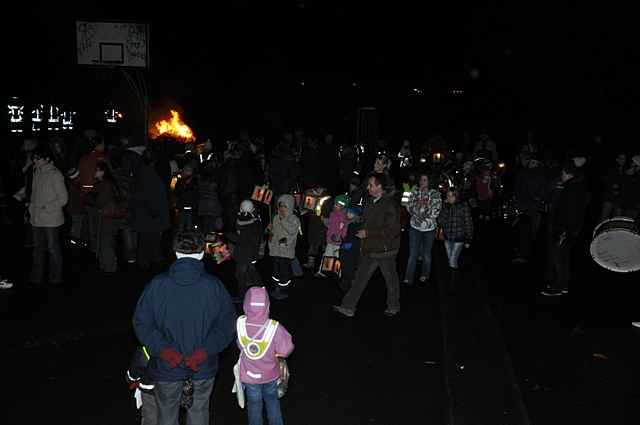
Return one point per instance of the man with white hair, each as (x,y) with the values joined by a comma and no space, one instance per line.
(184,318)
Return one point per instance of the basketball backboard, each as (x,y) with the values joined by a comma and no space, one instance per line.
(121,44)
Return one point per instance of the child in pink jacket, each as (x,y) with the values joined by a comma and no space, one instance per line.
(261,341)
(336,230)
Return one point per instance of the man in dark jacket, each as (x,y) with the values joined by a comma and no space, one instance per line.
(530,186)
(184,318)
(567,216)
(380,237)
(148,212)
(186,198)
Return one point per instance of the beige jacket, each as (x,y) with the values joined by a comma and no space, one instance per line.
(48,196)
(285,231)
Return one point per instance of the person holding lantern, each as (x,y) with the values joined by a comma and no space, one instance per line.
(336,230)
(282,245)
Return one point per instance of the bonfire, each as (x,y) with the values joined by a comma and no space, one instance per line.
(175,128)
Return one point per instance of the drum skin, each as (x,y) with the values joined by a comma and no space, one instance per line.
(616,245)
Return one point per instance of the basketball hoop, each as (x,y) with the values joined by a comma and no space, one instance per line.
(117,45)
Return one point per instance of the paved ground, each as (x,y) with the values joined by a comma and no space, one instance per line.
(72,346)
(493,352)
(575,357)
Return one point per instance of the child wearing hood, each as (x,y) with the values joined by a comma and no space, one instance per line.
(336,229)
(262,341)
(282,246)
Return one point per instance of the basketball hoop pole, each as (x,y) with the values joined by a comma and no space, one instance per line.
(139,88)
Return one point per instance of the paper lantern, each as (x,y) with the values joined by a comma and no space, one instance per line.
(219,251)
(258,193)
(174,181)
(262,194)
(331,265)
(268,195)
(310,202)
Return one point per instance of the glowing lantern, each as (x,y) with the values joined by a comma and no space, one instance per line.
(331,265)
(262,194)
(321,201)
(310,202)
(218,249)
(174,181)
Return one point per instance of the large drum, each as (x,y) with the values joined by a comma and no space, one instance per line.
(616,245)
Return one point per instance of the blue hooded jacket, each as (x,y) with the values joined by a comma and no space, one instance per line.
(184,309)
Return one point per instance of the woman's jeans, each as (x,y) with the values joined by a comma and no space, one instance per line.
(453,252)
(256,394)
(46,240)
(420,244)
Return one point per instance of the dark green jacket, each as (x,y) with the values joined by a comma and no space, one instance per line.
(382,224)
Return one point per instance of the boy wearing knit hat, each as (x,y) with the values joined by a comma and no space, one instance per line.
(247,238)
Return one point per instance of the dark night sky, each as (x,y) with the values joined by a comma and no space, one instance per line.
(533,61)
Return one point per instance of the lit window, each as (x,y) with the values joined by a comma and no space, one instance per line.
(110,115)
(37,115)
(54,118)
(67,120)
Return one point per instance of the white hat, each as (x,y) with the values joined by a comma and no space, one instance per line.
(636,160)
(246,206)
(579,161)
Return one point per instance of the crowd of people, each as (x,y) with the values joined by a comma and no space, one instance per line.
(349,204)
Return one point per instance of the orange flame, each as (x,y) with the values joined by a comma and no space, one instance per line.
(173,128)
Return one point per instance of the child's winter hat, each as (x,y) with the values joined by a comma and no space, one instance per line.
(246,215)
(579,161)
(342,200)
(247,206)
